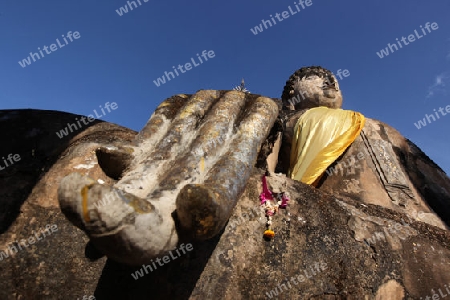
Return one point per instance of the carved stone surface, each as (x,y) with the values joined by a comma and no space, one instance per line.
(324,248)
(311,87)
(389,170)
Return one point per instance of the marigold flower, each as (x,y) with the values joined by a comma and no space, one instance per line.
(269,234)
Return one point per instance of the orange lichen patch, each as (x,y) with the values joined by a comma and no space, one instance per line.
(129,149)
(84,201)
(188,111)
(164,104)
(202,164)
(206,225)
(140,206)
(207,222)
(215,135)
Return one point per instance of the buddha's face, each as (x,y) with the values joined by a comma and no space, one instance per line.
(314,91)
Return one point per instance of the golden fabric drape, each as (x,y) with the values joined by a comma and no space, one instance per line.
(321,135)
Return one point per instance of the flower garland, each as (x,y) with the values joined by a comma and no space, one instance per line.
(271,206)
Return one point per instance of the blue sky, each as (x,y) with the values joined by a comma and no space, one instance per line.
(117,58)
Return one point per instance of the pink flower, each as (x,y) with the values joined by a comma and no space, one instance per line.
(284,201)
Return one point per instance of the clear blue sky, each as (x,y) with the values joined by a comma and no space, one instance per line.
(116,58)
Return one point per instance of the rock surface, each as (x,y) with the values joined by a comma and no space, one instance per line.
(335,248)
(54,267)
(325,247)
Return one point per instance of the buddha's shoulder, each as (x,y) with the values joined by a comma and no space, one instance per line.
(376,129)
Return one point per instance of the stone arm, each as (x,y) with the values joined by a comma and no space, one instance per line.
(280,138)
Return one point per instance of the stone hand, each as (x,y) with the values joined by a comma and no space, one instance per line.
(192,160)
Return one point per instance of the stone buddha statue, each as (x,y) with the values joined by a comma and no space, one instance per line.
(348,155)
(182,176)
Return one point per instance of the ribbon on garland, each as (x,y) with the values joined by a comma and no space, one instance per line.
(271,206)
(266,194)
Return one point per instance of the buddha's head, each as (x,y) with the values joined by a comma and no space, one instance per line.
(311,87)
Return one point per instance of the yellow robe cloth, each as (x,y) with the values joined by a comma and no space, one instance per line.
(321,135)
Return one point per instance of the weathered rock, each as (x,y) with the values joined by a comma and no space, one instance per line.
(55,266)
(348,250)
